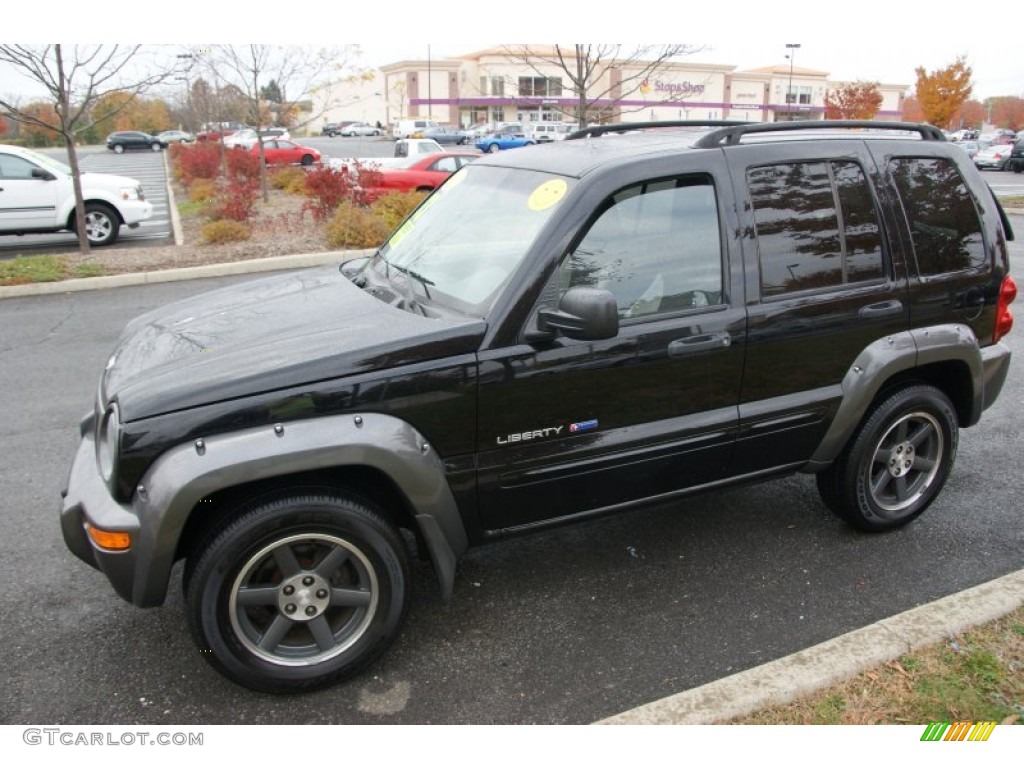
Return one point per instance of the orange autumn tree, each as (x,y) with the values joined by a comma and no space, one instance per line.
(853,101)
(39,133)
(970,115)
(912,112)
(1007,112)
(943,92)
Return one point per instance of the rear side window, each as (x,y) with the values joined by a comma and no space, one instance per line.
(817,226)
(940,214)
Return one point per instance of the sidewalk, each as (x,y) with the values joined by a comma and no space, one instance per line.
(789,678)
(271,264)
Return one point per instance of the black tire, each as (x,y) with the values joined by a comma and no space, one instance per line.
(284,557)
(897,461)
(307,159)
(331,135)
(102,224)
(118,149)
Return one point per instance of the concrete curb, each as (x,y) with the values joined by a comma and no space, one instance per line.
(274,263)
(179,237)
(810,670)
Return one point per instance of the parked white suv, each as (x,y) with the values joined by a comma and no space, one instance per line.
(543,132)
(37,195)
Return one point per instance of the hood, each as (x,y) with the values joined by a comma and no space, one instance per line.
(269,334)
(107,180)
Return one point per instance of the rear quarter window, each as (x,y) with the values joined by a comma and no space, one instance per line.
(944,225)
(817,227)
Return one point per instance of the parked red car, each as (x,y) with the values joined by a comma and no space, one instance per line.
(415,173)
(283,152)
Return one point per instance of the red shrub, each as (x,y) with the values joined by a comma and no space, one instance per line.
(196,161)
(236,200)
(242,165)
(328,188)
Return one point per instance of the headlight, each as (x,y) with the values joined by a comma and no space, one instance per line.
(131,193)
(108,443)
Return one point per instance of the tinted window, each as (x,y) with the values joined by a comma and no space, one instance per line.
(817,226)
(940,213)
(655,246)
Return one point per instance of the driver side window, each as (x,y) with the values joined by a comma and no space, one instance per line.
(13,167)
(655,246)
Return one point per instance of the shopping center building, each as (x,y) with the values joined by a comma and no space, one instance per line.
(497,85)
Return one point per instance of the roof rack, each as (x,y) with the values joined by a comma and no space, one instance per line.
(600,130)
(732,135)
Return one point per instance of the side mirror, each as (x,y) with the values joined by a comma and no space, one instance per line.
(39,173)
(584,313)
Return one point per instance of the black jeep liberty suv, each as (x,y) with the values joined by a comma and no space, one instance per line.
(557,332)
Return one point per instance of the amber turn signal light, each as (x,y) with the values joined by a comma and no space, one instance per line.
(116,540)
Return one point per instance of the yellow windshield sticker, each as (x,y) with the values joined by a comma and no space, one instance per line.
(400,233)
(547,194)
(456,178)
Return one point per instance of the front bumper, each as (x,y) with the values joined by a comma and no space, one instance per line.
(135,211)
(87,500)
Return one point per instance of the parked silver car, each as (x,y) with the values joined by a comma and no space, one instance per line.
(993,158)
(360,129)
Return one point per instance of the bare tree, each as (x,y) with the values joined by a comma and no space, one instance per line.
(589,68)
(76,77)
(296,73)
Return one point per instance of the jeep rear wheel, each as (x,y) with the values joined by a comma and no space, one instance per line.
(299,592)
(897,462)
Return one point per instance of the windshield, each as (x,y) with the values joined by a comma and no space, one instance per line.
(47,162)
(461,246)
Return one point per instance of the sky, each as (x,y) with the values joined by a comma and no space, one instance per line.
(864,40)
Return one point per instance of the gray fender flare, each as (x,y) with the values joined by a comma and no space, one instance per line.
(883,359)
(188,473)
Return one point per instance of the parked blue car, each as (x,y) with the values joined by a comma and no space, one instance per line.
(499,141)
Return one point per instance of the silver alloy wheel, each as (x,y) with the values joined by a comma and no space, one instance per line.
(98,226)
(906,461)
(118,149)
(303,599)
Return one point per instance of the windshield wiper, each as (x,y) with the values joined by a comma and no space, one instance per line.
(418,277)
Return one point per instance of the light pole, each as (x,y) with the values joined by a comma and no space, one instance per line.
(184,103)
(789,90)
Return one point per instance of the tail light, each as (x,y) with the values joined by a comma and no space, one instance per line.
(1004,317)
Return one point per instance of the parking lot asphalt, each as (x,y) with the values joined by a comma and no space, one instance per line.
(775,682)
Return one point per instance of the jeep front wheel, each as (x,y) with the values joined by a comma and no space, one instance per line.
(896,463)
(298,593)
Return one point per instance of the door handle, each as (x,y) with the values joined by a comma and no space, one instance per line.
(882,309)
(699,343)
